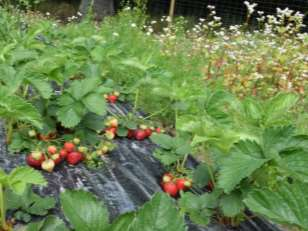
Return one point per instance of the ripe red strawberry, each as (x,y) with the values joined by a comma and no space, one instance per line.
(63,153)
(148,132)
(74,158)
(158,130)
(52,149)
(112,98)
(56,158)
(183,184)
(130,134)
(140,134)
(48,165)
(69,146)
(170,188)
(167,177)
(33,162)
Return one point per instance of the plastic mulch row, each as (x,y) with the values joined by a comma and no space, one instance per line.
(128,179)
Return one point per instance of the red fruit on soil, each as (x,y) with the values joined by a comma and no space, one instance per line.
(148,132)
(112,98)
(140,134)
(167,177)
(130,134)
(74,158)
(36,163)
(69,146)
(56,158)
(63,153)
(52,149)
(183,184)
(170,188)
(48,165)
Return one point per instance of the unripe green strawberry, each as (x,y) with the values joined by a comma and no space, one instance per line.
(32,133)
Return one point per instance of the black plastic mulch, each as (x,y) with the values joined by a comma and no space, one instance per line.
(128,179)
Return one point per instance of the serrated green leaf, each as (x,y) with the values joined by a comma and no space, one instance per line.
(16,108)
(41,85)
(95,103)
(123,223)
(51,223)
(201,175)
(166,157)
(277,138)
(238,166)
(21,176)
(231,204)
(288,204)
(297,162)
(163,140)
(196,208)
(159,214)
(80,88)
(276,108)
(84,211)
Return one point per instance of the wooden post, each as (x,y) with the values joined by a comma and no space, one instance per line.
(171,9)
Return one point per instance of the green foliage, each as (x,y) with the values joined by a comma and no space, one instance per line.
(158,214)
(288,204)
(173,149)
(79,99)
(28,204)
(50,223)
(84,211)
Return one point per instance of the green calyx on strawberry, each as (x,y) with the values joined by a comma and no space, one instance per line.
(170,188)
(167,177)
(48,165)
(35,162)
(37,155)
(56,158)
(109,135)
(183,184)
(74,158)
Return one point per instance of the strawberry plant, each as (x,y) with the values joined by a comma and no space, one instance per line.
(93,215)
(17,181)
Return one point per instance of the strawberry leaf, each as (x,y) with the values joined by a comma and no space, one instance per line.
(288,204)
(84,211)
(159,214)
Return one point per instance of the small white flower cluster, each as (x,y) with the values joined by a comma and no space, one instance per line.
(74,17)
(250,7)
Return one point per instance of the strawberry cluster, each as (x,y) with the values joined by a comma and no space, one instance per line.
(48,160)
(173,186)
(113,97)
(142,132)
(111,127)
